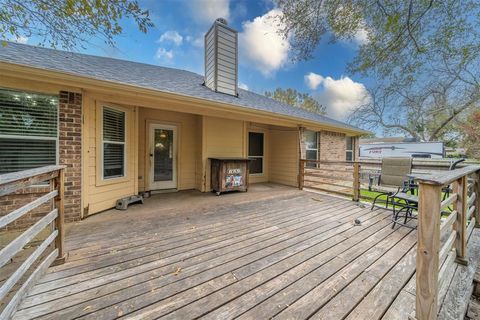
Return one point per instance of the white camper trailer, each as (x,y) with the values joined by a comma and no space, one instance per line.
(433,150)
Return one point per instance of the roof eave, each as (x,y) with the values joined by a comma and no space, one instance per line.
(81,81)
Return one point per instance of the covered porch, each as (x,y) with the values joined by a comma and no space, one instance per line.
(275,252)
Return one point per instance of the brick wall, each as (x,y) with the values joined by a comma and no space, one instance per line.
(70,117)
(332,146)
(70,151)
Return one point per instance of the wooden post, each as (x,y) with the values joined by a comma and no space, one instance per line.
(477,200)
(428,248)
(301,173)
(356,181)
(460,188)
(60,221)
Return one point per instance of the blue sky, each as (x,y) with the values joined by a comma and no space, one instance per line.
(177,41)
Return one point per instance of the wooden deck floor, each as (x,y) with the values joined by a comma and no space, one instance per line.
(297,255)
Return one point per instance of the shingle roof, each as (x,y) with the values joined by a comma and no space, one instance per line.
(149,77)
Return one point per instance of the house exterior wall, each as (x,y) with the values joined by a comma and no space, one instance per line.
(221,138)
(284,156)
(332,146)
(206,130)
(70,153)
(187,131)
(102,194)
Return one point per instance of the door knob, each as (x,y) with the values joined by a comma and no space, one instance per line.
(151,154)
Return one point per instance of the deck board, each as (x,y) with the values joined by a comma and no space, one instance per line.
(297,255)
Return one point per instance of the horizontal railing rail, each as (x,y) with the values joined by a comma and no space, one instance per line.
(10,183)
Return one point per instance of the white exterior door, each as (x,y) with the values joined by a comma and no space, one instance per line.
(163,156)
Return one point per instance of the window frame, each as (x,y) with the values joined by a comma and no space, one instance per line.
(313,149)
(101,173)
(350,151)
(257,157)
(26,137)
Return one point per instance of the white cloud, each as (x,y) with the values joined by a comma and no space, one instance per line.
(164,55)
(20,39)
(339,96)
(196,41)
(361,36)
(261,45)
(243,86)
(206,11)
(171,36)
(313,80)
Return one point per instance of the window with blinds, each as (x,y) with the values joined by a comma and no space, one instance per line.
(113,141)
(28,130)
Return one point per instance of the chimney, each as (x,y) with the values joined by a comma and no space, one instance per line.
(221,58)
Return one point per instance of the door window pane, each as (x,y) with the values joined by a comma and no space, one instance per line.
(255,152)
(163,155)
(256,165)
(255,144)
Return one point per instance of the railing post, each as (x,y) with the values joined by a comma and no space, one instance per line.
(428,248)
(60,221)
(477,200)
(460,188)
(301,174)
(356,181)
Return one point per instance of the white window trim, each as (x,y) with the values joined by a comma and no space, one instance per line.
(102,142)
(257,157)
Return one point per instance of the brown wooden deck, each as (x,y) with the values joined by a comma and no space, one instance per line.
(285,254)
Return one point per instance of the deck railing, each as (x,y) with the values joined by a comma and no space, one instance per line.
(343,178)
(39,260)
(444,224)
(442,241)
(351,178)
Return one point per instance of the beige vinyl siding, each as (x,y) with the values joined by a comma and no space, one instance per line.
(222,138)
(284,156)
(102,194)
(187,132)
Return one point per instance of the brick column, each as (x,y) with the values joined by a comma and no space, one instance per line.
(70,151)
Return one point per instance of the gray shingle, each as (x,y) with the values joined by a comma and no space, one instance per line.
(150,77)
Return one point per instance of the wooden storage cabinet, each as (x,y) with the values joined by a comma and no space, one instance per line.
(229,174)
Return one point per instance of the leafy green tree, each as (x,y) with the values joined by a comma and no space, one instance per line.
(471,135)
(422,55)
(68,24)
(296,99)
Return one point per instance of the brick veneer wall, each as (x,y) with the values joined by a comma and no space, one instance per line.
(70,136)
(332,146)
